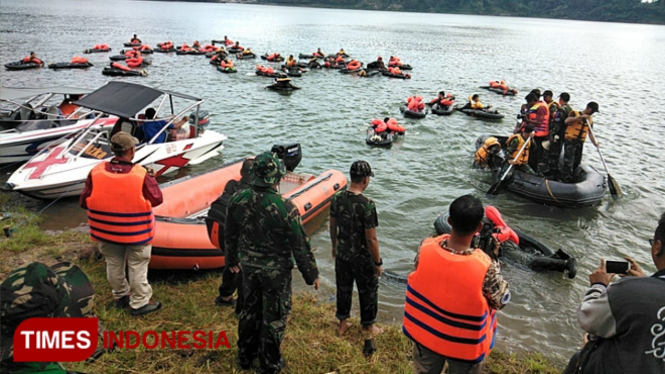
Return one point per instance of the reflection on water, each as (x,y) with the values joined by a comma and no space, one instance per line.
(617,65)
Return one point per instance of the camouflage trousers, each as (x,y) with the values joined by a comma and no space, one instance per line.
(363,273)
(572,157)
(262,322)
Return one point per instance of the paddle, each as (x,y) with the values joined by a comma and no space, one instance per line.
(615,189)
(494,190)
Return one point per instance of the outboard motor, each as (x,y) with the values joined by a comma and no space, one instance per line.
(291,154)
(204,118)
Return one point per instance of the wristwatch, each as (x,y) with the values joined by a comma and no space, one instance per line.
(380,263)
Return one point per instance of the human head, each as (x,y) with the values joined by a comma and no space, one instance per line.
(536,91)
(32,54)
(592,107)
(386,119)
(36,290)
(268,169)
(531,98)
(564,98)
(379,58)
(360,171)
(466,215)
(134,35)
(527,130)
(658,246)
(547,96)
(123,144)
(442,94)
(475,97)
(150,113)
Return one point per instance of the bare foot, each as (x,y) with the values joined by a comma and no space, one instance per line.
(372,331)
(343,327)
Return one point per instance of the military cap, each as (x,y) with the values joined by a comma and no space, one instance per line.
(268,169)
(36,290)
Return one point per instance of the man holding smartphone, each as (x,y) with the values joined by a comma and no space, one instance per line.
(624,321)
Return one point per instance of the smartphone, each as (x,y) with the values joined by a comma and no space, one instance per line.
(617,267)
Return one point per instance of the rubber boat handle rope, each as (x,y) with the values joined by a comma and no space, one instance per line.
(615,189)
(495,187)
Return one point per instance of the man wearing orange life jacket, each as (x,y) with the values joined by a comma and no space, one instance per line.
(538,115)
(66,107)
(454,279)
(487,156)
(135,40)
(32,58)
(119,197)
(577,128)
(514,145)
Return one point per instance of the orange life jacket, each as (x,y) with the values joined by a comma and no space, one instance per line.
(131,53)
(393,126)
(542,128)
(145,47)
(446,311)
(524,156)
(339,58)
(353,65)
(117,210)
(379,126)
(579,129)
(119,66)
(228,41)
(272,56)
(482,154)
(505,232)
(134,62)
(79,60)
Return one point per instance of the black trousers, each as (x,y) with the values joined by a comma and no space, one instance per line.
(363,273)
(231,282)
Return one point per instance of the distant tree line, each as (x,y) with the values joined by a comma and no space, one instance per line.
(634,11)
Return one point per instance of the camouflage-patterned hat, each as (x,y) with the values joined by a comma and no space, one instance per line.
(268,169)
(36,290)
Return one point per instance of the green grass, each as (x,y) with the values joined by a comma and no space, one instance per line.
(311,344)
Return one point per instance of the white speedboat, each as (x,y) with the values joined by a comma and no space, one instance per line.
(60,170)
(31,118)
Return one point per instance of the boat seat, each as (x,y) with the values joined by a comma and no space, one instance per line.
(52,112)
(26,112)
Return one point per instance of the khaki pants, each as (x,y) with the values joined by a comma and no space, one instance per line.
(428,362)
(137,258)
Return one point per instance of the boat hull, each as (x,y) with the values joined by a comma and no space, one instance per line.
(181,238)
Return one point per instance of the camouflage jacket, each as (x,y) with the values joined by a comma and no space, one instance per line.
(263,230)
(353,214)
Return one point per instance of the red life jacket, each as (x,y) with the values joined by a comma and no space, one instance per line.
(379,126)
(542,128)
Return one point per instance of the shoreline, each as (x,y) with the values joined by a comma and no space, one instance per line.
(311,344)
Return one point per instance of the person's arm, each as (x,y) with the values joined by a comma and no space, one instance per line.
(495,288)
(151,191)
(231,237)
(371,221)
(594,314)
(511,147)
(591,136)
(87,191)
(333,225)
(299,243)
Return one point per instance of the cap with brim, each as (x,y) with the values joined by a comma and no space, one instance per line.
(594,106)
(123,141)
(36,290)
(268,169)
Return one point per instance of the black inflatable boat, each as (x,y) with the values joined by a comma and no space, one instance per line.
(113,72)
(226,70)
(408,113)
(386,73)
(20,65)
(443,110)
(69,65)
(382,139)
(481,113)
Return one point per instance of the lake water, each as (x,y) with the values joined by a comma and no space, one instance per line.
(618,65)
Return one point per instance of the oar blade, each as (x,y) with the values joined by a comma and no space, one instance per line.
(615,189)
(494,189)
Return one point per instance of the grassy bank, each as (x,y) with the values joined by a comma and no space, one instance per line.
(311,344)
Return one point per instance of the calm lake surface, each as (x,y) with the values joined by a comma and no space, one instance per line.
(618,65)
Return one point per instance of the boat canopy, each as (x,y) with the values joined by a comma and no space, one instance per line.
(125,99)
(10,93)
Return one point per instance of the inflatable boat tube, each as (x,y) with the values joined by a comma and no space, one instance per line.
(443,110)
(370,73)
(181,238)
(278,59)
(235,50)
(294,73)
(587,189)
(401,67)
(347,71)
(383,139)
(162,50)
(69,65)
(226,70)
(527,243)
(279,87)
(276,74)
(408,113)
(143,51)
(92,50)
(113,72)
(128,44)
(118,57)
(240,56)
(20,65)
(195,52)
(481,113)
(386,73)
(509,91)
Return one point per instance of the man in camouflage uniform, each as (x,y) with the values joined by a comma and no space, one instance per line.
(355,249)
(263,234)
(36,290)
